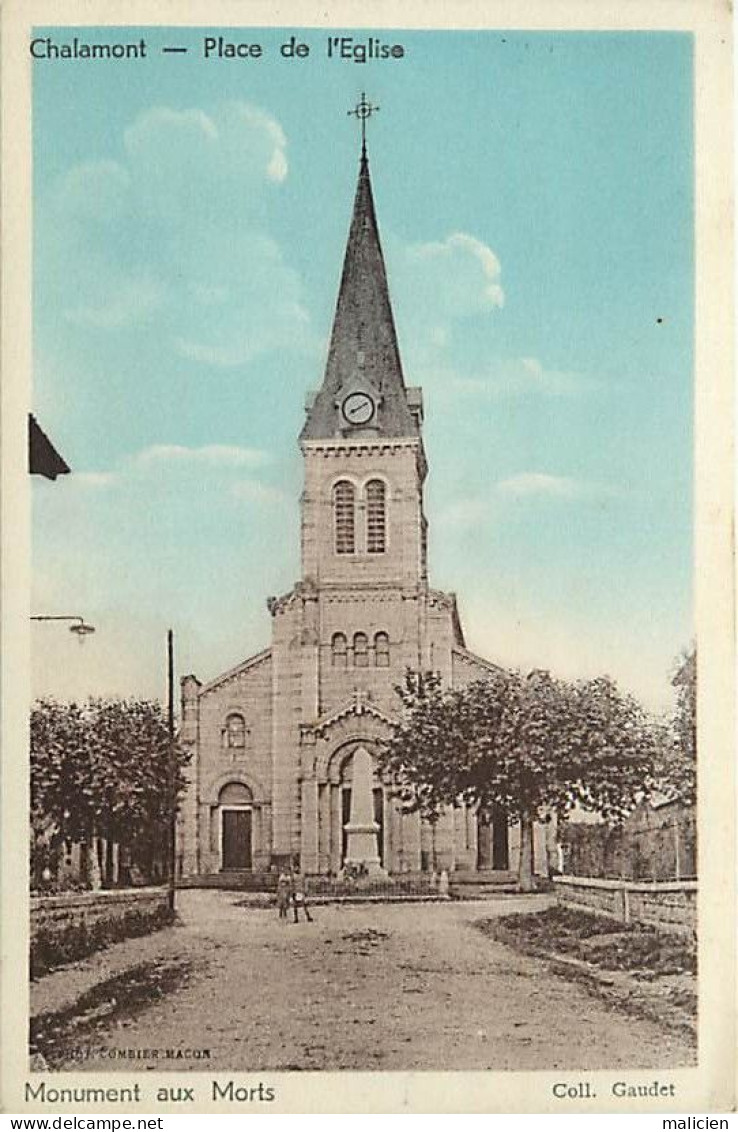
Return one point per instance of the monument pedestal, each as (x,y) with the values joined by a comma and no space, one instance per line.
(362,848)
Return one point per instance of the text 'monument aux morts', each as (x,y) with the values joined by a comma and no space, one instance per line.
(348,48)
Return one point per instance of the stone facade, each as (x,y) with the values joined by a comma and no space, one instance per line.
(275,738)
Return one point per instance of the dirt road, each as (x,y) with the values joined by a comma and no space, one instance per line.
(393,987)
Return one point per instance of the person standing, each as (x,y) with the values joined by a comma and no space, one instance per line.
(299,896)
(284,888)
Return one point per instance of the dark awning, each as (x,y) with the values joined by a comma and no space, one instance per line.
(43,458)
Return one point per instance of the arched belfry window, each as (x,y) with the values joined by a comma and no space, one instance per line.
(344,517)
(361,650)
(234,732)
(339,650)
(376,517)
(381,650)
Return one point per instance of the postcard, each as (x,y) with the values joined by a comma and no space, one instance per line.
(368,659)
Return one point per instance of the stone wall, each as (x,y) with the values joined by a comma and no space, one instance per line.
(74,924)
(671,906)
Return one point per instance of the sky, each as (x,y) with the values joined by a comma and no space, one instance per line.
(535,203)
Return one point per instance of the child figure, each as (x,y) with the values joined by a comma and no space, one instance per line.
(284,887)
(299,897)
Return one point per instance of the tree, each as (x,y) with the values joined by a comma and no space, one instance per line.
(533,745)
(60,789)
(681,768)
(130,771)
(676,769)
(102,771)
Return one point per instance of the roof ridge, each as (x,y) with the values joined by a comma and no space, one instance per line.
(237,669)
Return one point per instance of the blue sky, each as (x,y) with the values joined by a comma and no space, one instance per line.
(534,194)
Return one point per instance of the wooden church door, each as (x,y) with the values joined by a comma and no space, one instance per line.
(236,839)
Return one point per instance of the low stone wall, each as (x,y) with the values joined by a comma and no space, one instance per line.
(74,924)
(671,905)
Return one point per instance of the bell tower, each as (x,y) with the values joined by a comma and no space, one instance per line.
(362,506)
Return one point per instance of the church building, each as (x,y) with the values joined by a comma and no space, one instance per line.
(283,766)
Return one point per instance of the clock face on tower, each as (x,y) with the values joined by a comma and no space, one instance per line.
(358,408)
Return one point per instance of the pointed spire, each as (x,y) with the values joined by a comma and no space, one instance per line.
(363,349)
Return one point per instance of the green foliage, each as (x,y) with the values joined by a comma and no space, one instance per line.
(101,769)
(533,745)
(678,767)
(59,769)
(655,844)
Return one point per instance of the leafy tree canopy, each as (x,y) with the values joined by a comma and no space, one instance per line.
(533,744)
(677,767)
(102,767)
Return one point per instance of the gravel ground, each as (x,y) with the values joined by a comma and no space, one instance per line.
(384,986)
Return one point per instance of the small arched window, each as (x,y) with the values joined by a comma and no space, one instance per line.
(339,650)
(234,732)
(376,517)
(361,650)
(344,517)
(381,650)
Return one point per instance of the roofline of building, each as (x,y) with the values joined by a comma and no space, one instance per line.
(233,672)
(43,457)
(488,664)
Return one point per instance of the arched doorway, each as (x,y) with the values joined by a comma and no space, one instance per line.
(235,822)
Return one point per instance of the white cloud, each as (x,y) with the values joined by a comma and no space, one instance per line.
(89,479)
(174,237)
(223,455)
(219,462)
(516,377)
(121,302)
(253,491)
(227,150)
(162,118)
(443,280)
(543,484)
(259,121)
(277,167)
(465,513)
(474,512)
(492,293)
(540,483)
(97,190)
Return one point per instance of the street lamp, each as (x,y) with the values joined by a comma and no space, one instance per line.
(80,626)
(172,778)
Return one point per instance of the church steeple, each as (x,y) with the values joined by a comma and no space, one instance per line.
(363,388)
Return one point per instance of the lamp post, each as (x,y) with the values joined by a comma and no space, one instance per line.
(80,626)
(172,831)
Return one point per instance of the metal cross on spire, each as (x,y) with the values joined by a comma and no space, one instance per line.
(362,111)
